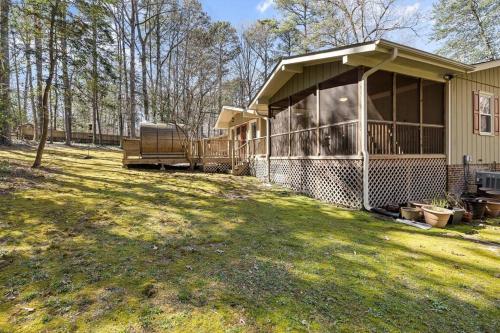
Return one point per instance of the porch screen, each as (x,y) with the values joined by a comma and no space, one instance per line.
(303,123)
(339,114)
(418,106)
(280,122)
(433,94)
(380,96)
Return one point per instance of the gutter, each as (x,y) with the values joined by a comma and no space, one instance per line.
(363,110)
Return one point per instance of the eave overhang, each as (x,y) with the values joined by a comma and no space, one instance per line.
(228,113)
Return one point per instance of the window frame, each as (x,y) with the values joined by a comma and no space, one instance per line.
(491,115)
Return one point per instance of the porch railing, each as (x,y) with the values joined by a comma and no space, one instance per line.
(399,138)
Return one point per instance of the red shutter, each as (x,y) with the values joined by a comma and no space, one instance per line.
(497,116)
(475,109)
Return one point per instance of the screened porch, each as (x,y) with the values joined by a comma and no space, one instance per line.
(406,116)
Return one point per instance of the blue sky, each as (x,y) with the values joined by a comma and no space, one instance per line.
(244,12)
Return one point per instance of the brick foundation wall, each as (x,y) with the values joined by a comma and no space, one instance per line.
(456,181)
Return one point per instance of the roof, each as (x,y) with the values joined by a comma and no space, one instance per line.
(410,61)
(486,65)
(228,113)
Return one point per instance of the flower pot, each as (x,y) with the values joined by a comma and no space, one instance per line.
(436,216)
(411,213)
(477,207)
(467,217)
(418,205)
(458,215)
(492,208)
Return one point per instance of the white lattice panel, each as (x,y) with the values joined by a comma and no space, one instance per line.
(401,180)
(258,168)
(334,181)
(216,167)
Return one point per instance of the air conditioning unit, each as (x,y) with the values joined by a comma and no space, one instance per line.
(488,179)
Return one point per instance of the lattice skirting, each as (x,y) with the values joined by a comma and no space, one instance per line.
(258,168)
(402,180)
(334,181)
(216,167)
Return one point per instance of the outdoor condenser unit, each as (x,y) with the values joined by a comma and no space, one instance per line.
(489,179)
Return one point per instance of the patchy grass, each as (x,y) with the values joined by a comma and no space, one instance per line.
(94,247)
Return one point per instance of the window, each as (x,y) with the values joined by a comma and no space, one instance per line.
(254,130)
(485,113)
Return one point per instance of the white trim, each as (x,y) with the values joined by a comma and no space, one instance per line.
(486,65)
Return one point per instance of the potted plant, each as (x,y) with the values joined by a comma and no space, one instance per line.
(436,216)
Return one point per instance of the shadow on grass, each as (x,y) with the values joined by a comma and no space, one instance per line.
(159,249)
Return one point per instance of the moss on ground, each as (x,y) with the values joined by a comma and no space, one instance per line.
(89,246)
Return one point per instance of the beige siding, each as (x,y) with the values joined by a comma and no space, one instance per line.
(482,149)
(310,76)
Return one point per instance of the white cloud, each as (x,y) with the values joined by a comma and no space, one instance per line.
(411,9)
(264,5)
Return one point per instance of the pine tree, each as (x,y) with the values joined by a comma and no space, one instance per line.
(468,29)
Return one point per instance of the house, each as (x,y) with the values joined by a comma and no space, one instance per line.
(373,123)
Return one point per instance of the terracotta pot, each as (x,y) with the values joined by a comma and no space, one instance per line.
(436,216)
(418,205)
(467,217)
(492,208)
(411,213)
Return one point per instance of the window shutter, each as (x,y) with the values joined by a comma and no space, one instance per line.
(497,116)
(475,109)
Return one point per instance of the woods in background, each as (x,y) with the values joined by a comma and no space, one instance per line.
(104,66)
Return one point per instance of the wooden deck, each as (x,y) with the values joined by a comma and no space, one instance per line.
(205,152)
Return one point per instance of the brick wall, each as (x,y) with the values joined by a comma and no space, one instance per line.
(456,181)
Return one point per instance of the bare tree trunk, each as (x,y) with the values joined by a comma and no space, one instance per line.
(39,74)
(4,73)
(29,78)
(19,118)
(48,84)
(132,68)
(94,82)
(66,84)
(120,80)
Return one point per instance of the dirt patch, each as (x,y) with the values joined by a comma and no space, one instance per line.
(15,176)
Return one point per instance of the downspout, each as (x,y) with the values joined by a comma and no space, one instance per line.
(363,92)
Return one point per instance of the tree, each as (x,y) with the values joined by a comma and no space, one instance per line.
(468,29)
(301,14)
(65,76)
(345,22)
(48,83)
(5,116)
(262,39)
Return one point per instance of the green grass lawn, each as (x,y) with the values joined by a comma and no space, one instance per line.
(89,246)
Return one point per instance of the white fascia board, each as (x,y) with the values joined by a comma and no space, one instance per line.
(422,56)
(331,55)
(486,65)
